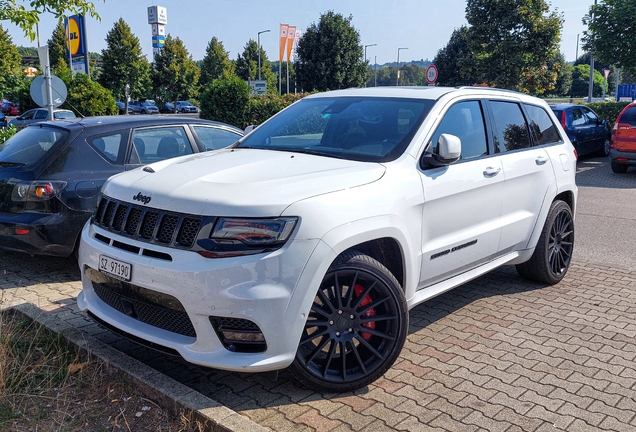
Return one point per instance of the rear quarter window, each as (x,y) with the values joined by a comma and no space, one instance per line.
(629,116)
(542,126)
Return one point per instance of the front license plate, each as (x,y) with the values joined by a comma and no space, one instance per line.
(115,268)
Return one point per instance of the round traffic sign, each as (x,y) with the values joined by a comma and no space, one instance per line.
(431,74)
(39,91)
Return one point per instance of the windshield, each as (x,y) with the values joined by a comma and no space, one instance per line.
(358,128)
(30,144)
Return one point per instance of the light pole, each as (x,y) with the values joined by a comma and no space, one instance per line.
(397,81)
(365,56)
(375,71)
(590,89)
(259,52)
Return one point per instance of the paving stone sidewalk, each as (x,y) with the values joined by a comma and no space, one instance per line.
(497,354)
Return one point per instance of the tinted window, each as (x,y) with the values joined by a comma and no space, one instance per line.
(30,145)
(466,121)
(156,144)
(542,126)
(41,114)
(216,138)
(108,145)
(629,116)
(511,131)
(364,129)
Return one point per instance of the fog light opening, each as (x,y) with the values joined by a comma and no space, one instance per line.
(239,335)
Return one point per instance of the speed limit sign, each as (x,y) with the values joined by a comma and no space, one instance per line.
(431,74)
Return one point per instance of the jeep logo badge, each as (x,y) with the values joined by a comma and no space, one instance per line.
(143,198)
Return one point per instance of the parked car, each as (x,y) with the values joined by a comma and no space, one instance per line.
(586,130)
(38,115)
(182,107)
(3,121)
(135,106)
(9,108)
(307,242)
(122,108)
(50,174)
(623,145)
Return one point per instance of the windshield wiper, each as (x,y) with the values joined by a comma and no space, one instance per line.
(9,164)
(311,152)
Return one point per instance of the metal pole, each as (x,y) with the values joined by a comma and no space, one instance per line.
(397,80)
(259,51)
(577,48)
(590,89)
(365,56)
(375,71)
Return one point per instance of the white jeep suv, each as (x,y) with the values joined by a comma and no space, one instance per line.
(306,243)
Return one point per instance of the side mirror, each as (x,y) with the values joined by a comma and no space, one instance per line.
(449,150)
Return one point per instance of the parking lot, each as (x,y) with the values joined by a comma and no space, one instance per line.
(497,354)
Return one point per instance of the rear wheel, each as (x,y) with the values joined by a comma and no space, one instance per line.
(551,258)
(356,327)
(618,168)
(606,147)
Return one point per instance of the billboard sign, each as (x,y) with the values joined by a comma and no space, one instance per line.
(76,46)
(158,41)
(258,87)
(157,15)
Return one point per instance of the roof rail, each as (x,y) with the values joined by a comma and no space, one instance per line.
(486,88)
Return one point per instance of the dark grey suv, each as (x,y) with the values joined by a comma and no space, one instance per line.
(51,173)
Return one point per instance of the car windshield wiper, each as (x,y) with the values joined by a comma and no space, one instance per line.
(10,164)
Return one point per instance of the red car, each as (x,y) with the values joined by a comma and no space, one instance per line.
(9,108)
(623,143)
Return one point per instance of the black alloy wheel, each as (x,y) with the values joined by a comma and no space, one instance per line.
(356,327)
(552,256)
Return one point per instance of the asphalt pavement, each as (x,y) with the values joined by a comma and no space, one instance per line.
(496,354)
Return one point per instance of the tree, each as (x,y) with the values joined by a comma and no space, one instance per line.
(10,61)
(57,48)
(86,97)
(330,55)
(216,64)
(581,79)
(511,38)
(27,19)
(247,66)
(175,75)
(611,32)
(453,61)
(123,63)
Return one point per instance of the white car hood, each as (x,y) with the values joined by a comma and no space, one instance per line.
(239,182)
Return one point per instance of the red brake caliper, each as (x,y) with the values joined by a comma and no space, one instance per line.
(358,289)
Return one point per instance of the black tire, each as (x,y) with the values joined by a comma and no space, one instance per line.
(618,168)
(606,148)
(552,256)
(359,310)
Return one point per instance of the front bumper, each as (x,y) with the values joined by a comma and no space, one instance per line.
(265,289)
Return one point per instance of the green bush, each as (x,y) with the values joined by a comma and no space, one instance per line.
(226,100)
(6,133)
(608,110)
(88,98)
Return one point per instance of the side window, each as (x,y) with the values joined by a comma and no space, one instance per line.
(215,138)
(511,130)
(28,115)
(466,121)
(542,126)
(107,145)
(578,119)
(592,118)
(160,143)
(41,114)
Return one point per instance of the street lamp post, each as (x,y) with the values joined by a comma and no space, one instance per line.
(365,56)
(259,51)
(590,89)
(397,81)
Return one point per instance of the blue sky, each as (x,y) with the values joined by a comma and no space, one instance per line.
(423,26)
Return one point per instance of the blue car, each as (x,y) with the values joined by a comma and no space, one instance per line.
(587,131)
(3,120)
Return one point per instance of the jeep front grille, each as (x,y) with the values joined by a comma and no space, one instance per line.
(145,224)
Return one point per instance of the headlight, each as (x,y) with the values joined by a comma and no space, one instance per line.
(235,236)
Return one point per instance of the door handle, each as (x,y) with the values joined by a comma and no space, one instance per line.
(540,160)
(491,172)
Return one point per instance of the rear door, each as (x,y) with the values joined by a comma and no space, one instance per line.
(527,168)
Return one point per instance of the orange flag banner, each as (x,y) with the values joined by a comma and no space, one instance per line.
(283,41)
(291,35)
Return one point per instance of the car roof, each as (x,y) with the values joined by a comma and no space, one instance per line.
(135,121)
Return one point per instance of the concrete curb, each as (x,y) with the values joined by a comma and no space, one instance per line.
(169,393)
